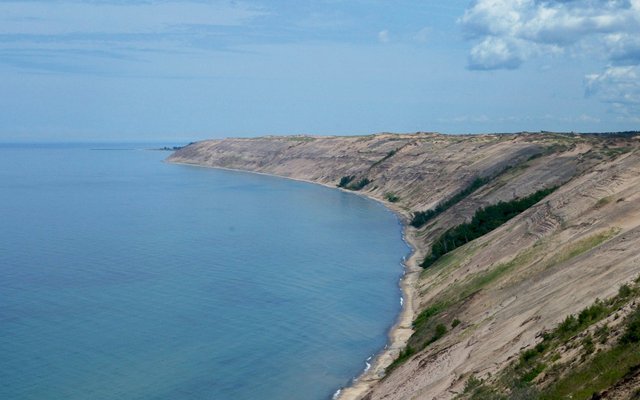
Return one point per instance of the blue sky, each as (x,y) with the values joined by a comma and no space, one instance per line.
(187,70)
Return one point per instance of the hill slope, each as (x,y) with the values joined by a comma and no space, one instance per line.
(492,297)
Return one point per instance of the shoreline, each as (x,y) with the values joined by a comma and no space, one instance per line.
(399,334)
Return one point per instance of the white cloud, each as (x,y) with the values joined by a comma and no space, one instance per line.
(618,86)
(509,32)
(383,36)
(531,27)
(72,17)
(624,48)
(495,53)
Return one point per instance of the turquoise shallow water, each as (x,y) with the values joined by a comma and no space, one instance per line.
(126,277)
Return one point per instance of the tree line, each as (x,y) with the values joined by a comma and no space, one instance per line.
(422,217)
(484,221)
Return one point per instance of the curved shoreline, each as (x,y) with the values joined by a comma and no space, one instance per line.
(400,332)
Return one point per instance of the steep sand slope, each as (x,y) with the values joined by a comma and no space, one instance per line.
(577,244)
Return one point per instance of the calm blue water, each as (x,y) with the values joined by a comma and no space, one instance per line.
(123,277)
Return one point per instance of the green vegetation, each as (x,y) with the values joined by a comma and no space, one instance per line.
(534,156)
(588,345)
(300,138)
(385,158)
(632,334)
(427,331)
(603,369)
(439,332)
(402,357)
(359,185)
(472,384)
(587,317)
(391,197)
(422,217)
(581,246)
(444,308)
(426,315)
(603,202)
(481,280)
(614,152)
(533,372)
(484,221)
(346,183)
(345,180)
(602,334)
(601,372)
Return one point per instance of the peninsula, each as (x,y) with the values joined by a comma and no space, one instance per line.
(524,278)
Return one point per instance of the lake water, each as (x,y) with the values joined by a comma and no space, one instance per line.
(123,277)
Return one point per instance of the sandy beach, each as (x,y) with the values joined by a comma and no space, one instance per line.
(401,331)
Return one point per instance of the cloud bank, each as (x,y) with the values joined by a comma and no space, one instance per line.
(507,33)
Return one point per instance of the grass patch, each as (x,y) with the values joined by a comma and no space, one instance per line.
(632,332)
(482,280)
(573,325)
(453,258)
(616,151)
(427,330)
(404,355)
(601,372)
(426,315)
(582,246)
(533,372)
(300,139)
(456,294)
(472,384)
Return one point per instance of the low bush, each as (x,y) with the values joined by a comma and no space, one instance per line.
(632,332)
(346,183)
(391,198)
(359,185)
(345,180)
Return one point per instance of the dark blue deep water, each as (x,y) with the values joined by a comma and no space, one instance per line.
(123,277)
